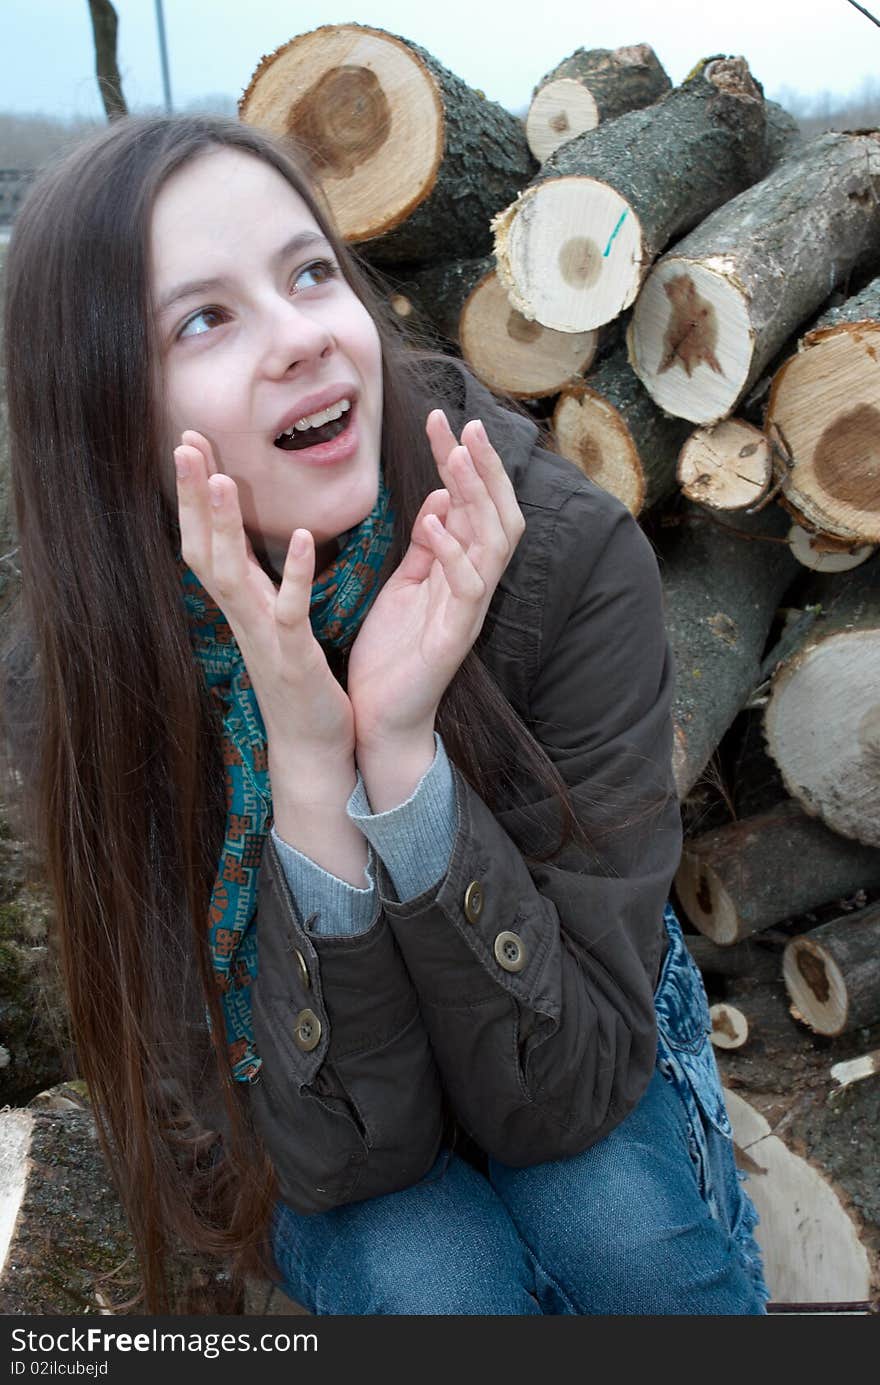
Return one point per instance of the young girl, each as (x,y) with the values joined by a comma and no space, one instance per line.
(346,708)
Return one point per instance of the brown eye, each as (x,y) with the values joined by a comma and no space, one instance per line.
(319,271)
(202,315)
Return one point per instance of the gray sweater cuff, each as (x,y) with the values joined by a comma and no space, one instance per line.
(342,909)
(414,840)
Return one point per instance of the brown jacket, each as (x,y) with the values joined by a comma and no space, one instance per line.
(535,1044)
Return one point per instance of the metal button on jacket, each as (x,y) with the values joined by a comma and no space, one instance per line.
(301,967)
(307,1030)
(473,901)
(510,951)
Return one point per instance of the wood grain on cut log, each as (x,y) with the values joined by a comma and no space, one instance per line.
(723,576)
(610,427)
(783,1073)
(811,1244)
(748,875)
(575,246)
(822,719)
(410,158)
(468,305)
(589,86)
(832,973)
(726,467)
(730,1028)
(824,407)
(824,553)
(717,307)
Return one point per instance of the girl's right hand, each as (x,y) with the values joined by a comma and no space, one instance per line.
(307,714)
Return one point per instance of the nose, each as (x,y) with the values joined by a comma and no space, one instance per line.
(293,336)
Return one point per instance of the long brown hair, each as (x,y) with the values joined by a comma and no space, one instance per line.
(106,714)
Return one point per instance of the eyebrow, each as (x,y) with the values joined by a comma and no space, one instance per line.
(198,286)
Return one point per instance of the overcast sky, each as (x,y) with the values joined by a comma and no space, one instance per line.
(502,46)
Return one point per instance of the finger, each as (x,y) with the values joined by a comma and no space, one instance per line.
(229,559)
(198,440)
(495,478)
(489,544)
(464,581)
(443,443)
(420,556)
(193,508)
(295,593)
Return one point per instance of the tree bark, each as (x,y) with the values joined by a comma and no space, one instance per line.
(615,181)
(64,1228)
(414,163)
(723,577)
(105,25)
(716,309)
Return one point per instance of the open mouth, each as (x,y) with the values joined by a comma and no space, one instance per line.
(298,438)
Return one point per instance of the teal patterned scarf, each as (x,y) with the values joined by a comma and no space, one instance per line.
(341,596)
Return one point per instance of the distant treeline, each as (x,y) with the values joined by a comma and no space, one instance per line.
(27,141)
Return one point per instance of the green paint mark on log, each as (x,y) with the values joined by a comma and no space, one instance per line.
(620,220)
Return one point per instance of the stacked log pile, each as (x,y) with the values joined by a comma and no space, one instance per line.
(683,292)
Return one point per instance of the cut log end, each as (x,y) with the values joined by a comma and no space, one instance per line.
(730,1028)
(579,282)
(560,111)
(591,433)
(706,900)
(816,987)
(366,110)
(825,405)
(513,354)
(690,339)
(826,553)
(726,467)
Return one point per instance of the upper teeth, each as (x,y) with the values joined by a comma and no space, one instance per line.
(317,420)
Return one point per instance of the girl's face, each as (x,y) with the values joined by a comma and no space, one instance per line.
(259,330)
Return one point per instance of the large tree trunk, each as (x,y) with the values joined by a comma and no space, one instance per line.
(105,25)
(749,875)
(575,246)
(822,720)
(412,160)
(722,578)
(609,426)
(716,309)
(588,87)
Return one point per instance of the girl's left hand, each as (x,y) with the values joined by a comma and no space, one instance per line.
(431,610)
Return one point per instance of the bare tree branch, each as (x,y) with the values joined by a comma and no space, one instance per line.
(104,26)
(865,12)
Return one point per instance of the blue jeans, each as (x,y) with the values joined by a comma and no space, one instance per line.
(651,1220)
